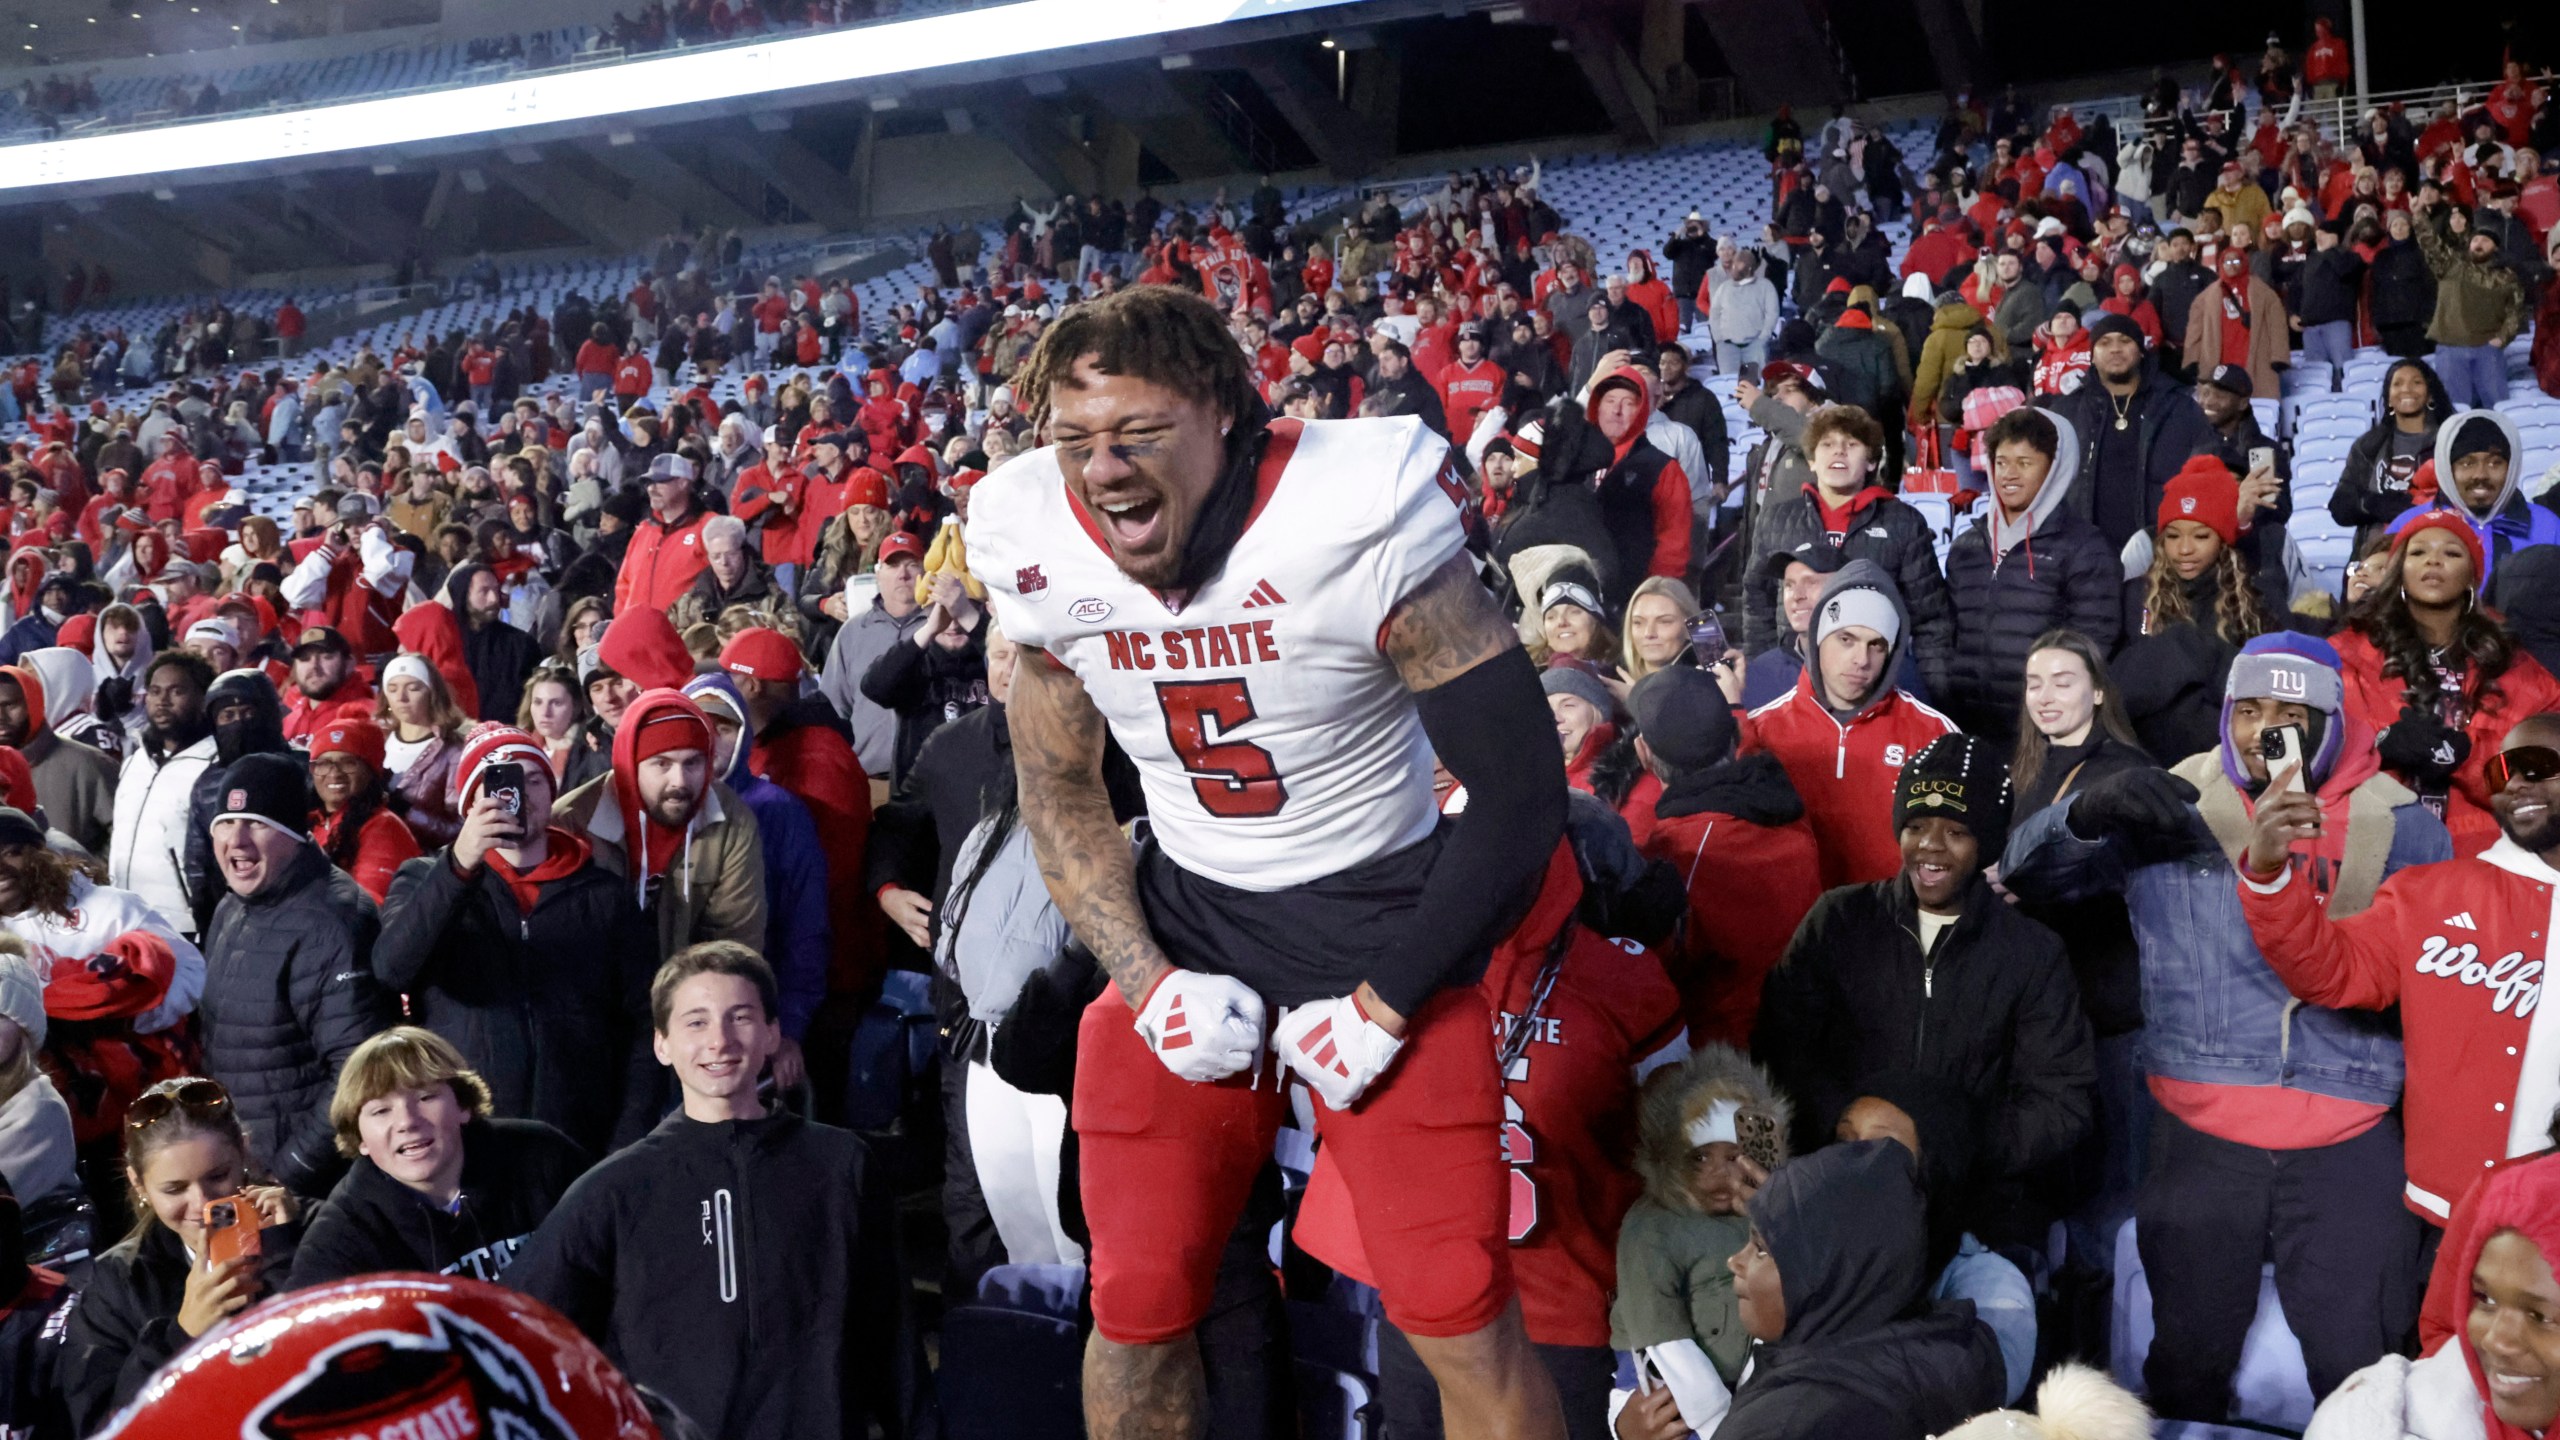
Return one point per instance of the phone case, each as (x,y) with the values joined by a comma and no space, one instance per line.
(1756,1136)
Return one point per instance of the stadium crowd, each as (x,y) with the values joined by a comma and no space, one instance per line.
(548,818)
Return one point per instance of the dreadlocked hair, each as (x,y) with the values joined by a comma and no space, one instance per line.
(2481,646)
(44,878)
(1156,333)
(2240,613)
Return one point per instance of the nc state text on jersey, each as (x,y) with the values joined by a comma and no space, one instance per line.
(1201,647)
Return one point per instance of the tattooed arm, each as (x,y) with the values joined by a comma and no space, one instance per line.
(1057,756)
(1487,719)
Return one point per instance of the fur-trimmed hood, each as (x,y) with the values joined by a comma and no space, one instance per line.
(1676,1096)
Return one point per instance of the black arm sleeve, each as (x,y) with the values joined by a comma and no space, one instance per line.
(1492,728)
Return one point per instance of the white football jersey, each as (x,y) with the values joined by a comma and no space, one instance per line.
(1276,742)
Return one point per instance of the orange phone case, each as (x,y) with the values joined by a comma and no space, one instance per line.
(235,1240)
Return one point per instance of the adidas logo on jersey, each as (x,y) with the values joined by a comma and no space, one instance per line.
(1264,595)
(2461,922)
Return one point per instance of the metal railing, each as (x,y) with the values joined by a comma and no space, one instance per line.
(2336,118)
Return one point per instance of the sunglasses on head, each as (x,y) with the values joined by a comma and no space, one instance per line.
(2531,764)
(203,1099)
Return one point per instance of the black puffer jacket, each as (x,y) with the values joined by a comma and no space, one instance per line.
(552,1007)
(1882,529)
(1991,1008)
(126,1324)
(2050,569)
(513,1172)
(262,735)
(289,992)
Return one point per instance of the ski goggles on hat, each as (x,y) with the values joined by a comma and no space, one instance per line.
(2531,764)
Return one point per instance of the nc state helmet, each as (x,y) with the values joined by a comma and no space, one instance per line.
(420,1357)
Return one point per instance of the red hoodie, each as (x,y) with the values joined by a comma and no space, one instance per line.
(1654,296)
(431,631)
(1668,488)
(1725,952)
(1845,770)
(817,764)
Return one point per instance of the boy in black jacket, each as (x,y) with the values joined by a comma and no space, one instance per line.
(740,1261)
(1931,972)
(437,1184)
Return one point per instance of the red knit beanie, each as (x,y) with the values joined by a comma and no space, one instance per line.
(2203,491)
(2452,523)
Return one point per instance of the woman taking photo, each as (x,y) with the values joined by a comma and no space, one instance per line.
(1657,635)
(437,1185)
(2437,675)
(2187,619)
(187,1163)
(353,826)
(422,730)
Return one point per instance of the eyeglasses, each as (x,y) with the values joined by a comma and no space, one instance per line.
(202,1099)
(2531,764)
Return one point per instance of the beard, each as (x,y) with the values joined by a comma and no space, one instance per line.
(674,807)
(2540,834)
(181,732)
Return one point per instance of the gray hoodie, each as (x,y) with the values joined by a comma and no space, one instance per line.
(1858,575)
(2057,487)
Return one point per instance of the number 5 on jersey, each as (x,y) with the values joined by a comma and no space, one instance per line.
(1236,779)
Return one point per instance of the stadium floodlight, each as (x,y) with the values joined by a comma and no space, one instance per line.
(730,72)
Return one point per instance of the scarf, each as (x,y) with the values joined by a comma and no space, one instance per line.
(567,852)
(659,721)
(2234,295)
(2344,864)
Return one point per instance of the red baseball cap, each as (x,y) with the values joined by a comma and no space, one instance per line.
(762,654)
(900,543)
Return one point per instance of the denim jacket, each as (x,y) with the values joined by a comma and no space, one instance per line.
(2213,1012)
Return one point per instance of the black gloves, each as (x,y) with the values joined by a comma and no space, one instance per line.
(2421,747)
(2150,812)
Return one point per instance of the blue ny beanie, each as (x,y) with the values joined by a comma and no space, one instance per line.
(2298,669)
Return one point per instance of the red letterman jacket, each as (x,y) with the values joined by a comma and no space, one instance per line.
(2460,947)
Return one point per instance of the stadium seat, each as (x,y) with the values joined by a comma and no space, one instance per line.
(1012,1359)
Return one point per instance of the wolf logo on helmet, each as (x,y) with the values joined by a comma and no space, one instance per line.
(459,1380)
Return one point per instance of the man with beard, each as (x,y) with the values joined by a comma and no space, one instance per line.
(684,843)
(1332,638)
(248,719)
(2137,428)
(153,791)
(2461,947)
(324,678)
(75,783)
(499,654)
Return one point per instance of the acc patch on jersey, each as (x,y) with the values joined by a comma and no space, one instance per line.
(457,1382)
(1091,610)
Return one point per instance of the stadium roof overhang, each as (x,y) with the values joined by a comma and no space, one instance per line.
(1001,42)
